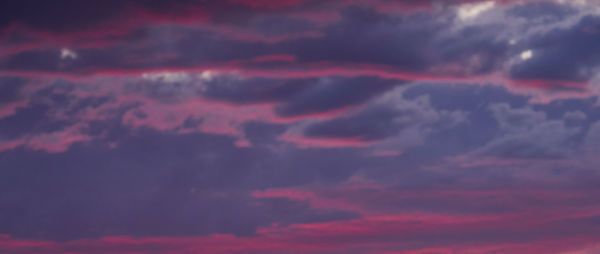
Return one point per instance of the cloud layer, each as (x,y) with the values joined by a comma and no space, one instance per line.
(299,126)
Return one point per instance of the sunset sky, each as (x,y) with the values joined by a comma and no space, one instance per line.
(299,127)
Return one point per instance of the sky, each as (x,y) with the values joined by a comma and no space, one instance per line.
(299,127)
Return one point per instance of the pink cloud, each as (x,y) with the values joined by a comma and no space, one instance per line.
(374,233)
(9,108)
(288,66)
(275,58)
(367,234)
(305,142)
(267,4)
(387,153)
(53,142)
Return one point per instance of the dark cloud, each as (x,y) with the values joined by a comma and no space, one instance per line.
(374,124)
(551,11)
(410,42)
(379,120)
(475,48)
(300,125)
(255,90)
(365,36)
(50,109)
(294,96)
(76,16)
(185,182)
(262,133)
(334,93)
(38,60)
(81,17)
(30,120)
(276,25)
(563,54)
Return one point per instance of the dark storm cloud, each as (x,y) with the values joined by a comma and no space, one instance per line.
(74,15)
(197,47)
(421,43)
(417,43)
(77,16)
(563,54)
(255,90)
(335,93)
(365,36)
(374,124)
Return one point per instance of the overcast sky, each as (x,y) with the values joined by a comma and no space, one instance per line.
(299,126)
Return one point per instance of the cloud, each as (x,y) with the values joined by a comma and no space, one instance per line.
(575,116)
(11,95)
(243,126)
(472,10)
(381,119)
(417,46)
(401,232)
(176,179)
(547,10)
(412,46)
(66,53)
(527,54)
(562,54)
(241,91)
(50,118)
(186,179)
(526,133)
(593,136)
(333,94)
